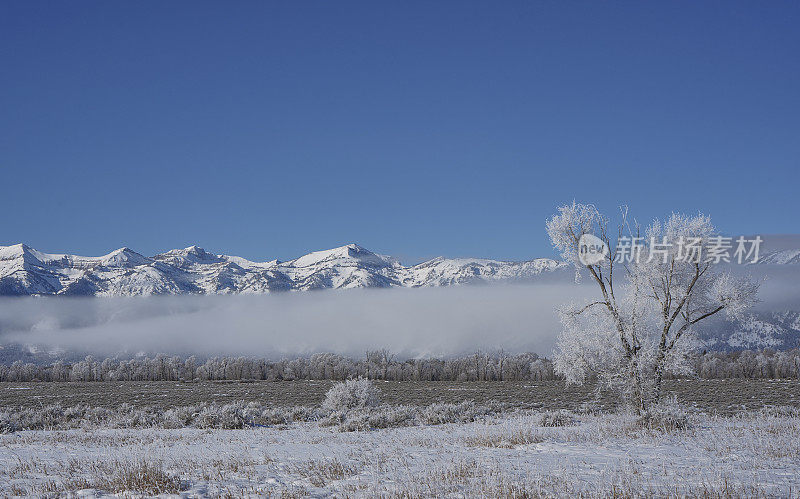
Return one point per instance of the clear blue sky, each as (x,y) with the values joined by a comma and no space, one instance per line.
(269,129)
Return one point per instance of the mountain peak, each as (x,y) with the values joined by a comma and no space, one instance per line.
(188,256)
(17,248)
(200,254)
(350,252)
(124,257)
(14,251)
(124,272)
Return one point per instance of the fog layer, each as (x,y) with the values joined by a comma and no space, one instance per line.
(411,323)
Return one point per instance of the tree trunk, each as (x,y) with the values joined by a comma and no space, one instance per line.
(639,397)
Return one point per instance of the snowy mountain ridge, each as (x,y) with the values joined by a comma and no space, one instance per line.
(192,270)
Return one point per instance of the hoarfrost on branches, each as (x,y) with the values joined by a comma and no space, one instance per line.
(641,326)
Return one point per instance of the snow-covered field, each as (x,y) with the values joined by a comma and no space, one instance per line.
(508,455)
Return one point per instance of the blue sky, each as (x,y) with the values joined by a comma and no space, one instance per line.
(269,129)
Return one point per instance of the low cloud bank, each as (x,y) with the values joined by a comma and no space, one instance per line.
(411,323)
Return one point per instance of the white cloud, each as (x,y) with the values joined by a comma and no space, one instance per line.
(418,322)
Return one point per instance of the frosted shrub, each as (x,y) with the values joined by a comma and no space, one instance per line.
(96,416)
(333,418)
(668,415)
(228,417)
(393,416)
(7,423)
(358,421)
(208,418)
(464,412)
(556,418)
(232,416)
(384,416)
(242,415)
(51,415)
(180,417)
(590,407)
(283,415)
(351,394)
(126,416)
(301,413)
(76,412)
(144,476)
(779,411)
(441,413)
(251,413)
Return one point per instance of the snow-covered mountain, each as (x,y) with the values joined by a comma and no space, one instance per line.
(781,249)
(782,257)
(192,270)
(760,329)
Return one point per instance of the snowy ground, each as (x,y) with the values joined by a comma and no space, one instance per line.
(510,455)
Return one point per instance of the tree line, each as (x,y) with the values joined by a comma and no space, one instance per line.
(378,364)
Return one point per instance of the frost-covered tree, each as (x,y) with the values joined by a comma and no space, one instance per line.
(651,295)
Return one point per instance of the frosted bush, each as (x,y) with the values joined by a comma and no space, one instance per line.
(51,415)
(667,415)
(442,413)
(283,415)
(180,417)
(384,416)
(98,416)
(590,407)
(241,415)
(352,394)
(556,419)
(251,413)
(358,421)
(75,412)
(464,412)
(208,418)
(300,413)
(228,417)
(125,416)
(780,411)
(233,416)
(7,423)
(333,418)
(393,416)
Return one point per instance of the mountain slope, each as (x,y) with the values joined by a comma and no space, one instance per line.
(192,270)
(782,257)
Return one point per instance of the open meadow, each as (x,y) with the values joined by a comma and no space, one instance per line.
(518,454)
(717,395)
(727,438)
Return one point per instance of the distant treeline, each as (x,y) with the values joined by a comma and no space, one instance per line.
(379,364)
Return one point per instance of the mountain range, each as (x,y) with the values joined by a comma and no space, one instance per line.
(25,271)
(192,270)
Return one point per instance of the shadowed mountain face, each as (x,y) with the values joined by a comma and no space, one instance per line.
(192,270)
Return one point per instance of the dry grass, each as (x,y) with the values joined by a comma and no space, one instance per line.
(599,455)
(555,419)
(321,472)
(140,476)
(144,477)
(487,480)
(504,440)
